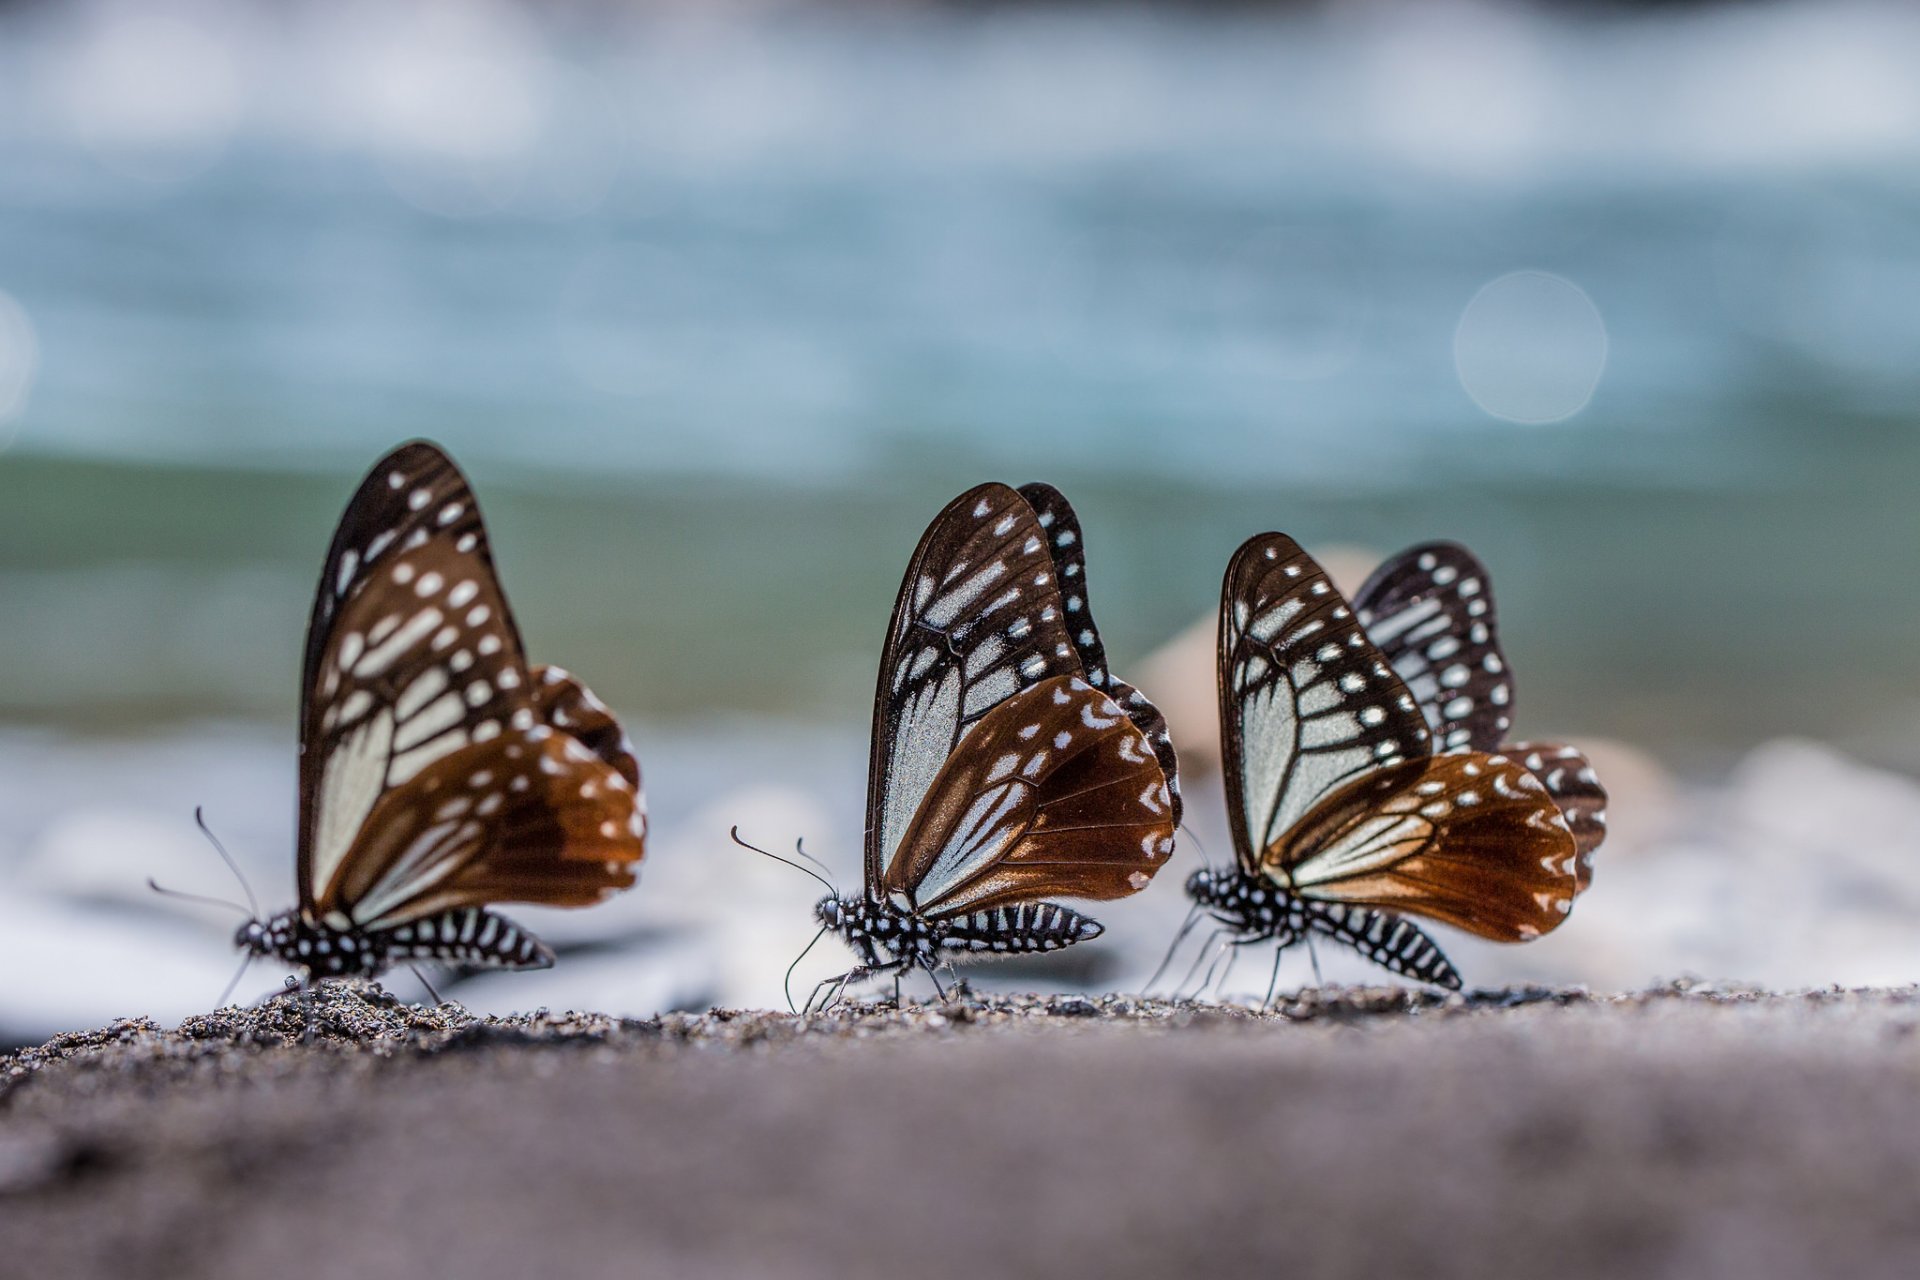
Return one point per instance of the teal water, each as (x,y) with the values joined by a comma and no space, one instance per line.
(718,312)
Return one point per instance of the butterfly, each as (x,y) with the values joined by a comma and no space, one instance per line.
(1364,772)
(439,773)
(1008,764)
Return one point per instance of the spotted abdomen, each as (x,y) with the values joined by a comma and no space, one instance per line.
(466,935)
(1389,941)
(1023,927)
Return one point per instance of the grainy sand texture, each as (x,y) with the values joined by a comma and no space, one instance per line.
(1681,1132)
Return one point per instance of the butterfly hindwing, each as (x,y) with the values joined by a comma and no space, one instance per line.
(1430,611)
(1569,778)
(1069,550)
(1056,792)
(1469,839)
(978,619)
(536,818)
(1307,704)
(564,703)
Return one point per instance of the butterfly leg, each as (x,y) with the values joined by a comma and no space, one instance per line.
(1206,948)
(1186,927)
(1273,983)
(859,973)
(933,971)
(814,1004)
(428,985)
(1223,951)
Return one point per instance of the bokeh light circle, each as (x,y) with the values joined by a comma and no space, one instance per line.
(1530,347)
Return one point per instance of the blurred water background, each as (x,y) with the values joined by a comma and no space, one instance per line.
(719,302)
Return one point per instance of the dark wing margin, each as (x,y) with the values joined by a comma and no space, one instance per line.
(1068,546)
(1307,704)
(1055,793)
(1430,611)
(979,618)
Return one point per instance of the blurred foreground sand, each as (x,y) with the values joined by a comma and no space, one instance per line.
(1681,1132)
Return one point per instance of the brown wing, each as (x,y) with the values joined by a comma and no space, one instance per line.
(569,706)
(1570,780)
(1068,547)
(525,817)
(1056,792)
(1471,840)
(979,617)
(1307,704)
(413,659)
(1430,611)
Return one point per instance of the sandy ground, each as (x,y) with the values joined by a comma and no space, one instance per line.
(1684,1132)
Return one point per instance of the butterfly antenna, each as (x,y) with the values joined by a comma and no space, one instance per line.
(825,869)
(1206,858)
(789,861)
(1186,927)
(246,961)
(197,897)
(786,985)
(437,1001)
(200,820)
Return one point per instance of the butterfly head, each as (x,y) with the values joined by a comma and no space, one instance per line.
(1248,905)
(837,913)
(270,937)
(252,938)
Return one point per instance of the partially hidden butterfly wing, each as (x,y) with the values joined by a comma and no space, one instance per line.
(1570,780)
(1430,611)
(1307,704)
(414,664)
(1056,792)
(979,618)
(1469,839)
(563,702)
(1068,547)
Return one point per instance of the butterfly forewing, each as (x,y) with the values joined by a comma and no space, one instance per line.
(416,685)
(412,653)
(1430,611)
(1469,839)
(1056,792)
(1569,778)
(1307,704)
(979,617)
(1068,548)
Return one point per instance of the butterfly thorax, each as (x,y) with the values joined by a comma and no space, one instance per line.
(1253,907)
(462,936)
(886,932)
